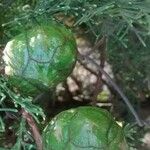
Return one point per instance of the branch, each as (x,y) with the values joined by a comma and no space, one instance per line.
(34,129)
(97,45)
(101,46)
(114,85)
(86,67)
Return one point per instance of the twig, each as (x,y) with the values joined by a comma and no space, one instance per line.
(115,86)
(87,68)
(99,84)
(98,88)
(102,51)
(97,45)
(92,71)
(78,83)
(34,129)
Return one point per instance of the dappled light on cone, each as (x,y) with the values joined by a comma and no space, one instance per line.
(84,128)
(40,58)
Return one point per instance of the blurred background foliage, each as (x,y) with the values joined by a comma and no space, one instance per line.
(125,23)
